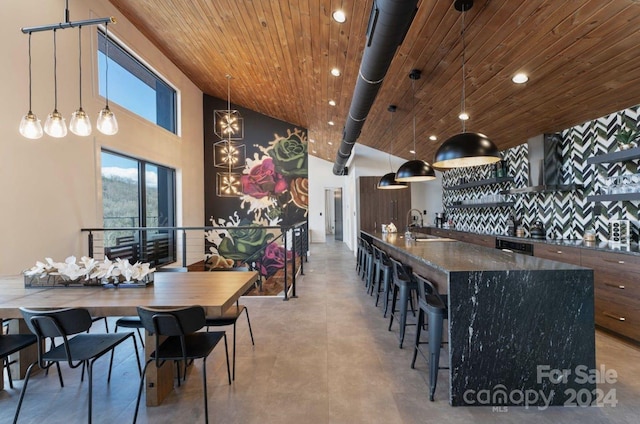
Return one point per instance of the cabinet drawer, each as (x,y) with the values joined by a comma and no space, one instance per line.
(570,255)
(613,265)
(618,317)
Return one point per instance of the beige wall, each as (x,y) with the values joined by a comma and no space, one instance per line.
(50,188)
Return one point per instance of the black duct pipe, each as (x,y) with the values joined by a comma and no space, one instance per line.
(388,24)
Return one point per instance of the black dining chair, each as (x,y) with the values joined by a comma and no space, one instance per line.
(183,342)
(81,349)
(230,317)
(10,344)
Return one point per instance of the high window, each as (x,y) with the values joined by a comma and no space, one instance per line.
(136,193)
(134,86)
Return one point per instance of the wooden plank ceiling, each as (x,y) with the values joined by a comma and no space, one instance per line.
(583,58)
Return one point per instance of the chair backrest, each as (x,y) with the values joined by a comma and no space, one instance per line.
(384,258)
(57,322)
(428,292)
(172,322)
(400,271)
(376,253)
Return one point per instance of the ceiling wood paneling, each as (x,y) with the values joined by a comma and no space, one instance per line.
(583,58)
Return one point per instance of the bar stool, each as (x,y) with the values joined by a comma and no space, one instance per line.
(368,274)
(434,305)
(359,256)
(405,286)
(377,265)
(387,277)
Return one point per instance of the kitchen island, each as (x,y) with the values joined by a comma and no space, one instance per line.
(521,329)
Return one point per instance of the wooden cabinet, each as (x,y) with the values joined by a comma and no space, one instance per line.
(617,291)
(382,206)
(479,239)
(570,255)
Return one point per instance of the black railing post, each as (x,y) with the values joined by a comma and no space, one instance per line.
(294,266)
(284,237)
(90,241)
(303,251)
(184,247)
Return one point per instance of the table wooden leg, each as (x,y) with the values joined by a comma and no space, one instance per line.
(159,381)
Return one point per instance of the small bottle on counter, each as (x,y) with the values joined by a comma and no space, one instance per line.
(520,231)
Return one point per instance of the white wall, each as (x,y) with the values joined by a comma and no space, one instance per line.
(321,177)
(51,188)
(428,196)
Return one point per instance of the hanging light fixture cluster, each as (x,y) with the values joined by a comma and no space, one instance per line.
(80,124)
(415,170)
(467,148)
(388,181)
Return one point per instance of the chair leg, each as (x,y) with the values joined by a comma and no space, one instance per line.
(234,351)
(7,366)
(435,340)
(226,351)
(23,391)
(246,311)
(204,383)
(90,374)
(394,297)
(144,371)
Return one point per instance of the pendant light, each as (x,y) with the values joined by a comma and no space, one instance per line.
(30,126)
(55,125)
(415,170)
(80,123)
(467,148)
(388,181)
(107,123)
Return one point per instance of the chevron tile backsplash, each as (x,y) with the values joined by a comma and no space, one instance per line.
(564,214)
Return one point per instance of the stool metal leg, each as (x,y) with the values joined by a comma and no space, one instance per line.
(435,341)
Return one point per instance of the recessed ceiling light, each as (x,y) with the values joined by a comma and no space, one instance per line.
(332,102)
(463,116)
(520,78)
(331,123)
(413,152)
(331,143)
(433,138)
(339,16)
(335,72)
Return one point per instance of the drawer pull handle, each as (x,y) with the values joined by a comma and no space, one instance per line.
(617,286)
(559,252)
(621,262)
(617,318)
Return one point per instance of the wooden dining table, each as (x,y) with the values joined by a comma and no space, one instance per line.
(214,291)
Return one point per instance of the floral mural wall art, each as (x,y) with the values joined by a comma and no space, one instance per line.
(274,191)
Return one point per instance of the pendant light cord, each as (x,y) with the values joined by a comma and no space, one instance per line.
(55,73)
(391,130)
(463,108)
(30,73)
(80,61)
(413,108)
(106,67)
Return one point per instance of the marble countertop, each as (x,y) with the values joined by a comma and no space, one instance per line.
(448,255)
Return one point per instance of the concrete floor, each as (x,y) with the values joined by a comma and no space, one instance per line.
(324,357)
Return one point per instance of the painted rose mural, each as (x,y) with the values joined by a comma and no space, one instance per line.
(273,191)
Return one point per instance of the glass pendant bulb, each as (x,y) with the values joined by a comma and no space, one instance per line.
(107,123)
(30,126)
(55,125)
(80,123)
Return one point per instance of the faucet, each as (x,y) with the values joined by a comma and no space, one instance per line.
(409,217)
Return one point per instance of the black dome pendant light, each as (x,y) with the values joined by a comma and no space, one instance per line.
(388,181)
(467,148)
(415,170)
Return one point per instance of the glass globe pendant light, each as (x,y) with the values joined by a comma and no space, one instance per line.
(80,123)
(467,148)
(55,125)
(107,123)
(30,126)
(388,181)
(415,170)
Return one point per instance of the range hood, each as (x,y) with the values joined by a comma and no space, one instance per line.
(545,166)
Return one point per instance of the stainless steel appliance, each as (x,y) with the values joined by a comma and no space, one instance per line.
(515,246)
(440,219)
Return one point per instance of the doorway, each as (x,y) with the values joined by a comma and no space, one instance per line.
(333,213)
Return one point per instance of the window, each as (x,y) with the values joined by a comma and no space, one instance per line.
(134,86)
(136,193)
